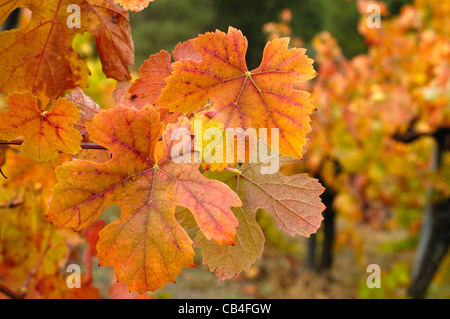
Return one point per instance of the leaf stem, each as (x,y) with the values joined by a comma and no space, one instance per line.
(233,170)
(32,273)
(85,146)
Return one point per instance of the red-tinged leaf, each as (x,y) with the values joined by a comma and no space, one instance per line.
(262,98)
(154,71)
(110,26)
(186,50)
(146,246)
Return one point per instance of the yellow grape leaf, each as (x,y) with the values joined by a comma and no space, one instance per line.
(45,133)
(261,98)
(147,247)
(40,59)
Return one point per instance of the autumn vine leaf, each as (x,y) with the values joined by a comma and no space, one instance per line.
(294,202)
(261,98)
(40,59)
(229,261)
(146,246)
(155,70)
(46,133)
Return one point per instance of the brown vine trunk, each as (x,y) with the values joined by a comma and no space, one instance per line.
(329,231)
(328,228)
(435,243)
(434,238)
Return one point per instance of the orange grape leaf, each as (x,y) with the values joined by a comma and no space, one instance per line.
(294,201)
(40,59)
(110,26)
(146,246)
(262,98)
(134,5)
(153,71)
(23,171)
(45,133)
(122,97)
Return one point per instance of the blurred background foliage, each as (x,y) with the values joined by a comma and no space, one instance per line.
(166,22)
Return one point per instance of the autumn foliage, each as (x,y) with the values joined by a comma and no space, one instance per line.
(76,160)
(373,129)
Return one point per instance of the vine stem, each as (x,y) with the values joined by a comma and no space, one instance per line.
(8,292)
(85,146)
(33,272)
